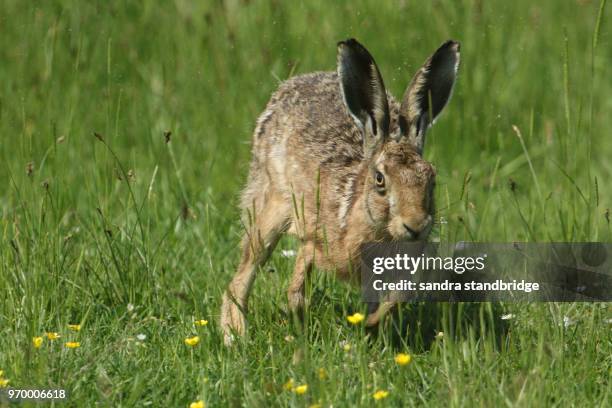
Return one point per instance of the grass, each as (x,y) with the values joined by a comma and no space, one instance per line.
(130,234)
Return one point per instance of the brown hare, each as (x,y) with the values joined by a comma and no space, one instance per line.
(337,162)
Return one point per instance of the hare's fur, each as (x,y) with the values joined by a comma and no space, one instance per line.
(312,177)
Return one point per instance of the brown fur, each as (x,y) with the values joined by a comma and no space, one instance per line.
(310,176)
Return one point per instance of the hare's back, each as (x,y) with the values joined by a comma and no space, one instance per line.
(310,119)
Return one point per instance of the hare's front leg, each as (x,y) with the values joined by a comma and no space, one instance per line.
(257,244)
(303,266)
(376,317)
(384,307)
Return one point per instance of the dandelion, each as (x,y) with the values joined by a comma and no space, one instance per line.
(130,307)
(1,373)
(288,386)
(355,318)
(4,382)
(289,338)
(439,335)
(74,327)
(403,359)
(201,322)
(52,335)
(322,374)
(192,341)
(380,394)
(37,342)
(73,344)
(301,389)
(197,404)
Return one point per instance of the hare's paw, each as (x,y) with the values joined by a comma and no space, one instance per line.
(233,321)
(375,318)
(296,299)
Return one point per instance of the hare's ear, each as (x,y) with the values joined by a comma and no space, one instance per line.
(364,92)
(428,93)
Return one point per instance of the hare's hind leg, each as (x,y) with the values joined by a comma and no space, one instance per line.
(258,243)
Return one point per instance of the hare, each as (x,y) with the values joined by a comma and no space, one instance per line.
(338,162)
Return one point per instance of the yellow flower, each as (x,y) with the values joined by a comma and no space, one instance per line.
(73,344)
(288,385)
(380,394)
(192,341)
(74,327)
(37,342)
(356,318)
(322,374)
(201,322)
(4,382)
(316,406)
(439,335)
(301,389)
(347,347)
(197,404)
(52,335)
(1,373)
(403,359)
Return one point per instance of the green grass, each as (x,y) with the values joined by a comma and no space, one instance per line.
(90,227)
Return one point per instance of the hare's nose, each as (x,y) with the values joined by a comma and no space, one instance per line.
(411,231)
(415,230)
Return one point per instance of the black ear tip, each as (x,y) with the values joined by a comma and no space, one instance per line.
(352,44)
(451,45)
(348,42)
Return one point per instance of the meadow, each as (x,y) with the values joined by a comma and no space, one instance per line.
(124,141)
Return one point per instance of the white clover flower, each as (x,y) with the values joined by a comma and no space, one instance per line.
(567,321)
(288,253)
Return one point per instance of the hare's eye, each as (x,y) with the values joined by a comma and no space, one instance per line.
(380,179)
